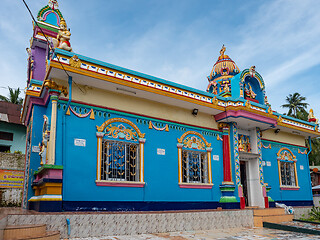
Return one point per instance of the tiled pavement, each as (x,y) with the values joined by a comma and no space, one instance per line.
(221,234)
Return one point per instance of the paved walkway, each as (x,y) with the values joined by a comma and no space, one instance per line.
(221,234)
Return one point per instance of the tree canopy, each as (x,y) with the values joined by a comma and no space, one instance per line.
(13,96)
(296,105)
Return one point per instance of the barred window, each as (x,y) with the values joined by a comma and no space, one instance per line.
(194,167)
(287,169)
(120,161)
(287,174)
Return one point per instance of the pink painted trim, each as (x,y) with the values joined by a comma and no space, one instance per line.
(48,12)
(199,186)
(35,101)
(119,184)
(243,113)
(289,188)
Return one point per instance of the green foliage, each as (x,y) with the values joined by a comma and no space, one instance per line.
(315,213)
(13,96)
(18,152)
(297,108)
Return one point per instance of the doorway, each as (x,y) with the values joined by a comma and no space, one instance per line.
(244,182)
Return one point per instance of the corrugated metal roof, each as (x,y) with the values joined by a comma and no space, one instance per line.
(10,112)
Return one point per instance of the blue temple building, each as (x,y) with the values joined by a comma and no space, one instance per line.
(115,139)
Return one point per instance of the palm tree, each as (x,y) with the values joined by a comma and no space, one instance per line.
(13,96)
(297,108)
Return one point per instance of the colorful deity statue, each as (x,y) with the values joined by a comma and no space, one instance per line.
(226,88)
(311,117)
(63,37)
(44,143)
(241,144)
(248,145)
(249,92)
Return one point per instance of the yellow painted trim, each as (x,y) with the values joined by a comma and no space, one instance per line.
(209,167)
(99,148)
(180,164)
(52,143)
(141,161)
(32,93)
(296,174)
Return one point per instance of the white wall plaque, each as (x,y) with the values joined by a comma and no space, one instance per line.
(161,151)
(79,142)
(263,163)
(301,167)
(215,157)
(268,163)
(35,149)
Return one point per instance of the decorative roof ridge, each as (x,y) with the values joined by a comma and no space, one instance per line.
(133,72)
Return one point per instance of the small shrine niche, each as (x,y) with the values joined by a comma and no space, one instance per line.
(50,14)
(244,143)
(252,86)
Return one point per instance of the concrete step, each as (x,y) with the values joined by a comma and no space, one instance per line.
(268,211)
(29,232)
(258,220)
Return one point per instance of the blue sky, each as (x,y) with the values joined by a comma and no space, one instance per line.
(179,40)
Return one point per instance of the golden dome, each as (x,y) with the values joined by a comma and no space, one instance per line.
(224,67)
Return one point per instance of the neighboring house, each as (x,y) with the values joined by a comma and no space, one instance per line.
(12,132)
(115,139)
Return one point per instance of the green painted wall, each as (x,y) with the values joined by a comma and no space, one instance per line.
(19,136)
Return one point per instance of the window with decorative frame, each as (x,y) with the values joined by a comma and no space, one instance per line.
(120,154)
(194,156)
(287,169)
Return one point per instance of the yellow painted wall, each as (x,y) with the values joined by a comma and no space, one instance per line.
(141,106)
(283,137)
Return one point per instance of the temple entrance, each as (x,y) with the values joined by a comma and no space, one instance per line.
(243,178)
(250,180)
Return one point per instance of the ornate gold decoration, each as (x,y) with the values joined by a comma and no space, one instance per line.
(121,132)
(215,101)
(223,125)
(248,104)
(112,120)
(270,111)
(195,133)
(75,61)
(50,84)
(279,120)
(194,142)
(284,153)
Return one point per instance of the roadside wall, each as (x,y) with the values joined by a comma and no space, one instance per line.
(10,197)
(105,224)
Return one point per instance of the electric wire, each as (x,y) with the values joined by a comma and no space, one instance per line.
(49,43)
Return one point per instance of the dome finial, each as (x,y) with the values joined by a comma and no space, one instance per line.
(223,49)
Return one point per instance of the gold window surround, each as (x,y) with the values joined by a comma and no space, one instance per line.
(135,135)
(286,155)
(198,141)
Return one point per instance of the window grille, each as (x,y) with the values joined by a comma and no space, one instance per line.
(194,167)
(120,161)
(287,174)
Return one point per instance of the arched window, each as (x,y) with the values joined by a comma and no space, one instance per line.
(194,154)
(120,154)
(287,169)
